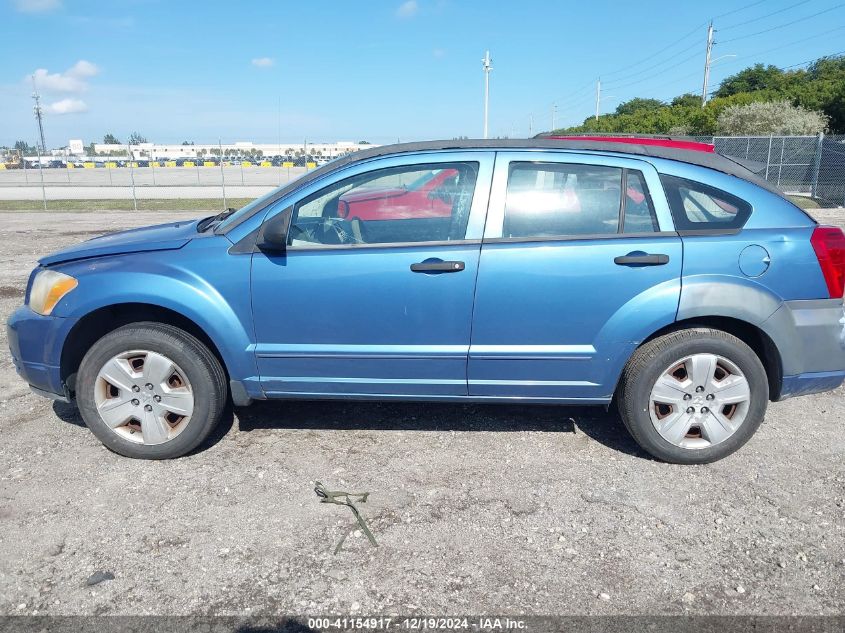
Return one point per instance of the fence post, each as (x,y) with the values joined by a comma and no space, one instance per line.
(222,173)
(132,176)
(769,157)
(41,173)
(817,163)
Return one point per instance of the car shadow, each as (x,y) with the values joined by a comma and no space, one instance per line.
(596,423)
(603,426)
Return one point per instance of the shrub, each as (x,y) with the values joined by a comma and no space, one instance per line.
(774,117)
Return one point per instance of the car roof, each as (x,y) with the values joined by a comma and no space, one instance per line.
(710,160)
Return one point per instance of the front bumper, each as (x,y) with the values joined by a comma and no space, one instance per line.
(36,342)
(810,337)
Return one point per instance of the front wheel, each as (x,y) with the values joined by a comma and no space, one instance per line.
(693,396)
(150,391)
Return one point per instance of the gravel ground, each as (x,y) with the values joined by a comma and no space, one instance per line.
(477,509)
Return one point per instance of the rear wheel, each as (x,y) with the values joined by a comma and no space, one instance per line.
(150,390)
(693,396)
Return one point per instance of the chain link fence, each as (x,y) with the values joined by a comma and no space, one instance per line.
(800,165)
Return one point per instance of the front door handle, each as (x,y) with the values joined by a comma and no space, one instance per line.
(641,259)
(437,266)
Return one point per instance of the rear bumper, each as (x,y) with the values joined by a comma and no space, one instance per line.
(35,342)
(810,337)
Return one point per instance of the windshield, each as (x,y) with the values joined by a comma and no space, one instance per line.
(247,209)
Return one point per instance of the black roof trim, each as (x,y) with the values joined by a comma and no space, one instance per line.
(713,161)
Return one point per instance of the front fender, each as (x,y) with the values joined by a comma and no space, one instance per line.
(217,301)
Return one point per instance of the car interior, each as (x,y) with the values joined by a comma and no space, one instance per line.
(331,227)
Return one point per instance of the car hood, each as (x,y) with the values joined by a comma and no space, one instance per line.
(161,237)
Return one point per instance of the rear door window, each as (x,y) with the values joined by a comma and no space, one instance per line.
(562,199)
(699,207)
(567,199)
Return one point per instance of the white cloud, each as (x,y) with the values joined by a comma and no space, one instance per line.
(407,9)
(83,68)
(37,6)
(263,62)
(66,106)
(74,79)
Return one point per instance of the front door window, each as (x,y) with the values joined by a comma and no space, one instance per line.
(419,203)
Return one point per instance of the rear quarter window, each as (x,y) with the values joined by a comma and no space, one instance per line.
(699,207)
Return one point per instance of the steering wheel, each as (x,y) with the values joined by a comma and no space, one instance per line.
(325,231)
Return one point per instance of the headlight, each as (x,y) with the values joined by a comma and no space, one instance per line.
(48,287)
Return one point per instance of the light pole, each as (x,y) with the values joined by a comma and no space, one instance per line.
(707,63)
(486,64)
(710,65)
(38,115)
(599,98)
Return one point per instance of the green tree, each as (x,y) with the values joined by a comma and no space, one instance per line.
(25,148)
(136,139)
(638,103)
(110,139)
(687,100)
(757,77)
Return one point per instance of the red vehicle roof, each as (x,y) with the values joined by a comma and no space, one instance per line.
(694,146)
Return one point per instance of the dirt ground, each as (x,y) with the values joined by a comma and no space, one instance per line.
(477,509)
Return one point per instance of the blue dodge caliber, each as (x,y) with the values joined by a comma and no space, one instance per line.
(672,281)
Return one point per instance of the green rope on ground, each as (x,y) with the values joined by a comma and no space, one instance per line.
(342,498)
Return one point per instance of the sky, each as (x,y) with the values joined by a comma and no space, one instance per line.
(374,70)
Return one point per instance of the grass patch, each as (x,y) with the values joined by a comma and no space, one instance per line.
(178,204)
(805,202)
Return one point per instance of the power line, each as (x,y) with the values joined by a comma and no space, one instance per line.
(651,68)
(810,61)
(747,6)
(782,26)
(657,74)
(787,45)
(763,17)
(662,50)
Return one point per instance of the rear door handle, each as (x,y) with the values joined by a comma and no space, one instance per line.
(641,259)
(437,266)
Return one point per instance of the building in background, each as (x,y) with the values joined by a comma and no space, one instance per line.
(241,149)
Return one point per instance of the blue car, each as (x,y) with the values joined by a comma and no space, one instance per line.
(670,281)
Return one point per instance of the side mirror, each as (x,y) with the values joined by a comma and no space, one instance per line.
(273,236)
(342,209)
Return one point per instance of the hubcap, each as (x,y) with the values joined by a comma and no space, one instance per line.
(699,401)
(144,397)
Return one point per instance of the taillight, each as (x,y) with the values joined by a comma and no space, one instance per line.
(829,244)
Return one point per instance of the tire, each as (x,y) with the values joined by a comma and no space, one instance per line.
(169,409)
(720,422)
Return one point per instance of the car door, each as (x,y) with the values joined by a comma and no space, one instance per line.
(377,303)
(580,262)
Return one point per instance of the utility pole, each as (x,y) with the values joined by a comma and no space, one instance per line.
(486,64)
(554,116)
(707,63)
(38,114)
(598,97)
(530,125)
